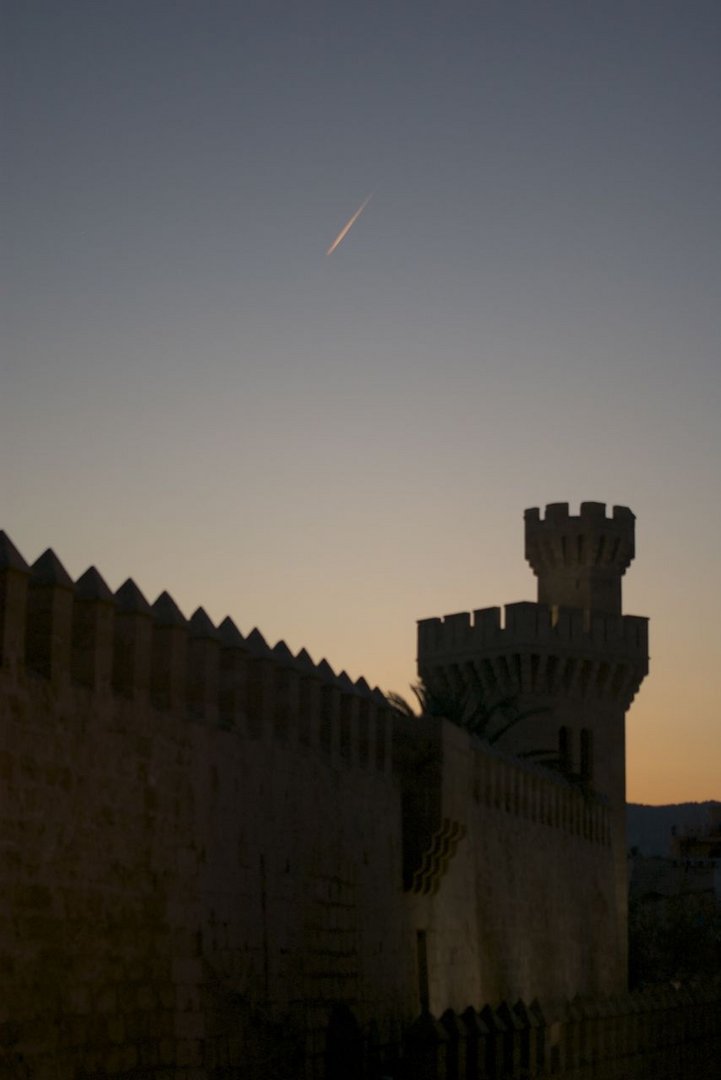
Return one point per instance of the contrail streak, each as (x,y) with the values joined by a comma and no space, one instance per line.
(349,225)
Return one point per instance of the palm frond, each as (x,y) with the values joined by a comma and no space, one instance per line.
(400,704)
(466,706)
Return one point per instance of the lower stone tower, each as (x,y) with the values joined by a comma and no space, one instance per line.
(570,664)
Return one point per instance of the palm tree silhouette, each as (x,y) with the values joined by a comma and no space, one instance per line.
(469,708)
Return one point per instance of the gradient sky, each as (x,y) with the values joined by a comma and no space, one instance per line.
(330,448)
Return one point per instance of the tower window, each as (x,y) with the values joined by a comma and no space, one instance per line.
(422,958)
(586,754)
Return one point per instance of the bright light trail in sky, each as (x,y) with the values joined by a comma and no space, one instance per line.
(349,225)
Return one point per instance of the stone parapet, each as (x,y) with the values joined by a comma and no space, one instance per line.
(512,785)
(542,649)
(117,644)
(531,625)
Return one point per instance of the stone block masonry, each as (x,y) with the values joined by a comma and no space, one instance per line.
(216,857)
(201,844)
(572,662)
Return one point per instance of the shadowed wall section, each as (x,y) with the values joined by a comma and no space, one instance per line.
(201,845)
(211,848)
(497,852)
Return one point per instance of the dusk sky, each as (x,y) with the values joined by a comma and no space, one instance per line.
(192,393)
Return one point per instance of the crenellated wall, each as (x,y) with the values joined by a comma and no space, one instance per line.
(207,844)
(527,623)
(201,839)
(82,634)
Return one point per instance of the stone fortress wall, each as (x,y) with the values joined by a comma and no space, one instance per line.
(207,844)
(198,833)
(528,852)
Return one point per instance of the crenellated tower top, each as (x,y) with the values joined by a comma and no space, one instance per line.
(579,561)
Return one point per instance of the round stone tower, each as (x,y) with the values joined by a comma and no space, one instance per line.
(571,663)
(579,561)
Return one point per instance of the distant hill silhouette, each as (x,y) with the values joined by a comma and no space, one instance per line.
(649,827)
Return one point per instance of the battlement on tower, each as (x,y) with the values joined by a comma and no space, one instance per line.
(538,650)
(119,645)
(592,513)
(579,560)
(532,626)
